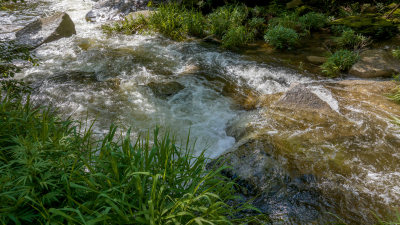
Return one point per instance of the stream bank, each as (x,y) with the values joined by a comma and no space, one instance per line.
(303,144)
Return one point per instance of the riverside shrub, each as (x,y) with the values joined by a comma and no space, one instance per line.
(281,37)
(53,172)
(226,17)
(350,40)
(236,37)
(341,60)
(313,21)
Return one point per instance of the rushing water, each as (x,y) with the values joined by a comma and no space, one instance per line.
(105,78)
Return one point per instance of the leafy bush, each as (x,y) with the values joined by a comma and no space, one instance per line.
(339,29)
(226,17)
(281,37)
(257,26)
(236,36)
(341,60)
(313,21)
(396,53)
(287,20)
(171,20)
(53,172)
(176,22)
(349,39)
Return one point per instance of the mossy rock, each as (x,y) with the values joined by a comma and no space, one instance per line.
(395,17)
(369,25)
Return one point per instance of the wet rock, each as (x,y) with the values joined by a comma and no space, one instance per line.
(370,25)
(190,69)
(300,97)
(375,63)
(105,10)
(294,4)
(283,197)
(316,59)
(300,163)
(165,90)
(46,30)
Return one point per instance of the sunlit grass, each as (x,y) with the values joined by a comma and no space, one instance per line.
(53,172)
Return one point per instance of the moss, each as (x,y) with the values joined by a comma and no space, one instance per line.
(370,25)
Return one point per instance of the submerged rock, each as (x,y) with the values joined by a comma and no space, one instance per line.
(165,90)
(318,60)
(375,63)
(46,30)
(302,162)
(105,10)
(300,97)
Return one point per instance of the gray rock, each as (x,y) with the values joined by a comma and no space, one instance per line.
(105,10)
(316,59)
(375,63)
(165,90)
(300,97)
(46,30)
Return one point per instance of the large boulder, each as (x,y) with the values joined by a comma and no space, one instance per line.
(302,97)
(46,30)
(105,10)
(301,162)
(375,63)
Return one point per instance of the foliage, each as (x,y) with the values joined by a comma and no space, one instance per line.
(313,21)
(339,29)
(171,20)
(53,172)
(236,37)
(350,40)
(281,37)
(396,53)
(287,20)
(396,95)
(257,25)
(176,22)
(341,60)
(226,17)
(10,51)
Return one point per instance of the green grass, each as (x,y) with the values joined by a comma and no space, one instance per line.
(350,40)
(281,37)
(395,96)
(396,53)
(171,20)
(52,171)
(340,61)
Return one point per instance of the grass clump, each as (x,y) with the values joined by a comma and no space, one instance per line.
(171,20)
(53,172)
(340,61)
(176,22)
(313,21)
(350,40)
(281,37)
(396,53)
(236,36)
(287,20)
(225,18)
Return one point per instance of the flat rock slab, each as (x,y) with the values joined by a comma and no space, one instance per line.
(46,30)
(375,63)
